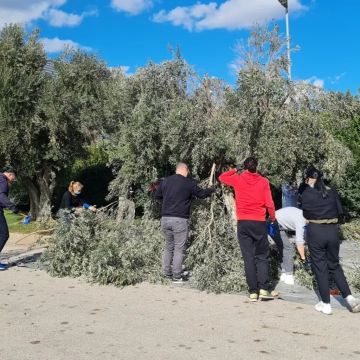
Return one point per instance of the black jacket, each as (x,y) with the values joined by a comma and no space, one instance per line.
(315,207)
(176,193)
(70,201)
(4,192)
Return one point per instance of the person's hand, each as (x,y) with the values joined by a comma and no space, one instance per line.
(92,208)
(306,264)
(272,229)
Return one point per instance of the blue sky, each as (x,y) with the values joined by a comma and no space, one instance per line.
(129,33)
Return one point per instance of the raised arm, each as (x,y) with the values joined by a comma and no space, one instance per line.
(228,177)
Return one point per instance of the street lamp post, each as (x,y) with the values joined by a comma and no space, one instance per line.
(285,4)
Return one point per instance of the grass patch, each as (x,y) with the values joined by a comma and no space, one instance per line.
(351,230)
(15,224)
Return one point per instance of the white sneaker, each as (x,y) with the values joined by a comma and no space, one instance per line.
(289,279)
(282,277)
(354,303)
(324,308)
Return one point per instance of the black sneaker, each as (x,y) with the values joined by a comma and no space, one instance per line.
(167,276)
(179,280)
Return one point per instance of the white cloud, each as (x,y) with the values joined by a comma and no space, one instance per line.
(124,69)
(231,14)
(133,7)
(335,79)
(319,83)
(61,18)
(27,11)
(56,45)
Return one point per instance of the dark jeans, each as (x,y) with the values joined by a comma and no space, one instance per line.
(176,232)
(254,245)
(4,231)
(324,245)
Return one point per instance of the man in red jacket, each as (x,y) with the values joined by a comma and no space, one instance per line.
(253,199)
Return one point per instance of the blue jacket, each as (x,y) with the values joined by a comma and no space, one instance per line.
(4,192)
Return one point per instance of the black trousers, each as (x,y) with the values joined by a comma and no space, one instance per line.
(324,245)
(4,230)
(254,245)
(278,242)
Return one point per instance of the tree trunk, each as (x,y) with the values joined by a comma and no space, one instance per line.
(40,189)
(126,209)
(230,205)
(33,196)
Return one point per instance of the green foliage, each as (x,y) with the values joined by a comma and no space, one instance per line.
(46,121)
(99,249)
(91,169)
(171,115)
(214,256)
(22,59)
(349,134)
(353,278)
(351,230)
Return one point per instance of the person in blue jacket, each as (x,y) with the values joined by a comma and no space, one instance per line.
(6,178)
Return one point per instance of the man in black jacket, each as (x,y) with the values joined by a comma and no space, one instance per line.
(176,193)
(6,178)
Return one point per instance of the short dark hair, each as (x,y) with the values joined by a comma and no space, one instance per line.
(9,169)
(251,164)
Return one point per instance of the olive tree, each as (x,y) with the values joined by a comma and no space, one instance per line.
(46,120)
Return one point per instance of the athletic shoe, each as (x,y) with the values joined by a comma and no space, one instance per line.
(253,297)
(178,280)
(354,303)
(265,295)
(167,276)
(3,267)
(185,274)
(283,277)
(324,308)
(289,279)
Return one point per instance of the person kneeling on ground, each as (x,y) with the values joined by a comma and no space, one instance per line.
(6,179)
(322,210)
(291,222)
(176,193)
(253,199)
(72,200)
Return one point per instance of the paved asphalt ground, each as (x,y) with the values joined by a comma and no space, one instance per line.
(44,318)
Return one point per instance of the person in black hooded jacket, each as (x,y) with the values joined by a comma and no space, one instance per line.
(322,209)
(6,178)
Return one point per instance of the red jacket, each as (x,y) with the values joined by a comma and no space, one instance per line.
(252,195)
